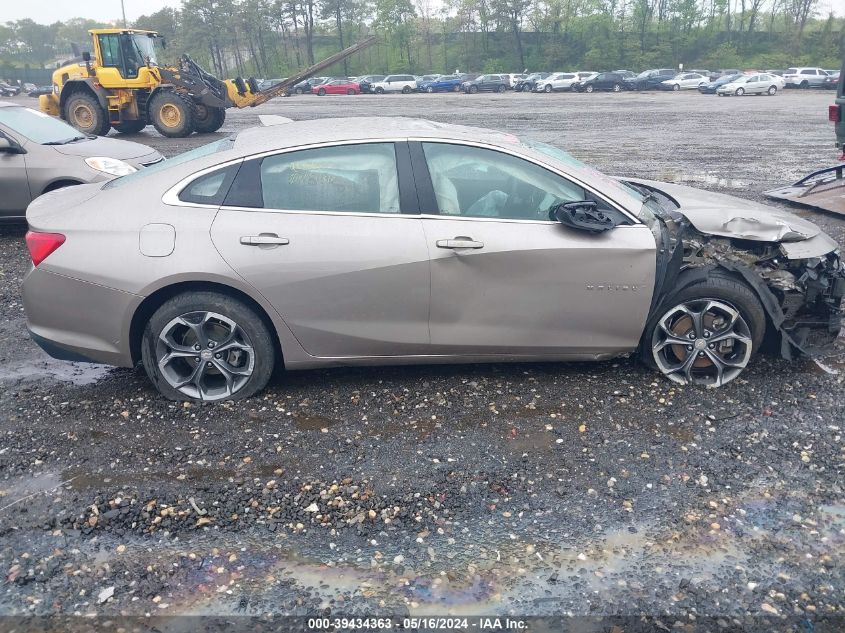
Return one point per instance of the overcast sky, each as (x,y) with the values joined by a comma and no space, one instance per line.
(49,11)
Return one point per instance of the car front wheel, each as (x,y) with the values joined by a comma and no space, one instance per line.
(739,92)
(207,346)
(676,87)
(706,333)
(772,91)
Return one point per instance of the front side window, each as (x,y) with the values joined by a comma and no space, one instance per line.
(354,178)
(483,183)
(110,50)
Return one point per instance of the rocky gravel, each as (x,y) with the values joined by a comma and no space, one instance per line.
(525,489)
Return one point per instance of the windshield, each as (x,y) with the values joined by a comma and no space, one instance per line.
(204,150)
(645,74)
(740,80)
(38,127)
(144,45)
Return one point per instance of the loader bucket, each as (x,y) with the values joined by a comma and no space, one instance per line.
(823,190)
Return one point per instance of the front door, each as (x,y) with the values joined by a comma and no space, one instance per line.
(507,280)
(321,234)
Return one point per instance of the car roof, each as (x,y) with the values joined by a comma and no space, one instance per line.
(265,139)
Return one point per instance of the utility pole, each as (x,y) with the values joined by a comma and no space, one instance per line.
(123,9)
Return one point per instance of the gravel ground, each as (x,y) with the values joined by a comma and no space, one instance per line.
(525,489)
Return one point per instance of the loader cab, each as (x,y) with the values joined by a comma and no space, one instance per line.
(124,51)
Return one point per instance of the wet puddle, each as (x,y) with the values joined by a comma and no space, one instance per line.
(43,367)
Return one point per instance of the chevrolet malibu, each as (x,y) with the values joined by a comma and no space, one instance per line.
(375,241)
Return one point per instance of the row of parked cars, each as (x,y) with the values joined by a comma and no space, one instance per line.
(721,82)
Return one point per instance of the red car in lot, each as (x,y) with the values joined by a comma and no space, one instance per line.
(337,87)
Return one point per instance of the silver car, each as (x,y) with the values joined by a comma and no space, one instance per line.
(756,84)
(39,153)
(388,240)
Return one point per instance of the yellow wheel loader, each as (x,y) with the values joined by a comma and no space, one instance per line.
(122,86)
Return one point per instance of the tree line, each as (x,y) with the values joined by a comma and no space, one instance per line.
(273,38)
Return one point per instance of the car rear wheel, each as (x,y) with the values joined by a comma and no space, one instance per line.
(739,92)
(406,90)
(321,92)
(207,346)
(706,333)
(804,85)
(501,89)
(772,91)
(84,112)
(456,89)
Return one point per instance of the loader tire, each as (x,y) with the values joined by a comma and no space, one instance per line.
(85,113)
(130,127)
(208,119)
(171,114)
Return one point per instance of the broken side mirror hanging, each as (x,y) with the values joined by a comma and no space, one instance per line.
(585,215)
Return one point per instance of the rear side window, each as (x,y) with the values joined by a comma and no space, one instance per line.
(210,188)
(347,178)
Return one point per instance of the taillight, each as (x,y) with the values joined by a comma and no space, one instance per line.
(41,245)
(833,113)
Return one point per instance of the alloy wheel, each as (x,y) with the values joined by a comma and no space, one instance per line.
(740,92)
(204,355)
(702,342)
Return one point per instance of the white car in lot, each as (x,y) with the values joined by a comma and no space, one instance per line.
(804,77)
(759,84)
(557,81)
(685,81)
(396,83)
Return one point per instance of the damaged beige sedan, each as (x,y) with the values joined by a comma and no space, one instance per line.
(393,241)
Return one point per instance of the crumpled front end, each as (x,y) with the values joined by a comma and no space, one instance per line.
(802,296)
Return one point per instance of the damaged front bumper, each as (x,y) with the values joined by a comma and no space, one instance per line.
(802,296)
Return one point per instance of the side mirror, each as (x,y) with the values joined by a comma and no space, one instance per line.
(585,215)
(5,145)
(86,56)
(9,146)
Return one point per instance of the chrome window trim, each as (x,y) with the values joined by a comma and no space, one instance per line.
(171,196)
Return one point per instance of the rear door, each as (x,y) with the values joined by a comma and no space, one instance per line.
(507,280)
(14,182)
(331,237)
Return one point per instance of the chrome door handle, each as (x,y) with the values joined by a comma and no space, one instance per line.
(459,242)
(265,239)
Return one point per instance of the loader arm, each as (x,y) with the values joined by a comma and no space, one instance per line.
(244,98)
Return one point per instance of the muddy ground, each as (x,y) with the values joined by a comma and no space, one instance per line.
(525,489)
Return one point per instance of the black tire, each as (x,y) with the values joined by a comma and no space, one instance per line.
(253,325)
(429,90)
(171,114)
(589,88)
(772,91)
(716,286)
(501,89)
(548,88)
(805,85)
(379,90)
(321,92)
(739,92)
(84,112)
(456,89)
(617,88)
(350,91)
(130,127)
(406,90)
(207,120)
(676,87)
(473,90)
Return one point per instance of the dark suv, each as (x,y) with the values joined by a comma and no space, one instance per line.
(605,81)
(366,83)
(650,79)
(528,83)
(486,83)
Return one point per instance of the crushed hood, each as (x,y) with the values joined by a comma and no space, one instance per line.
(727,216)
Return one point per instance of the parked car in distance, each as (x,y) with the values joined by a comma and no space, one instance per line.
(612,81)
(711,87)
(444,83)
(405,84)
(529,82)
(29,87)
(485,83)
(264,84)
(756,84)
(365,83)
(684,81)
(9,90)
(626,74)
(40,90)
(556,82)
(650,79)
(39,153)
(583,76)
(725,72)
(304,87)
(291,246)
(514,78)
(804,77)
(337,87)
(779,73)
(832,80)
